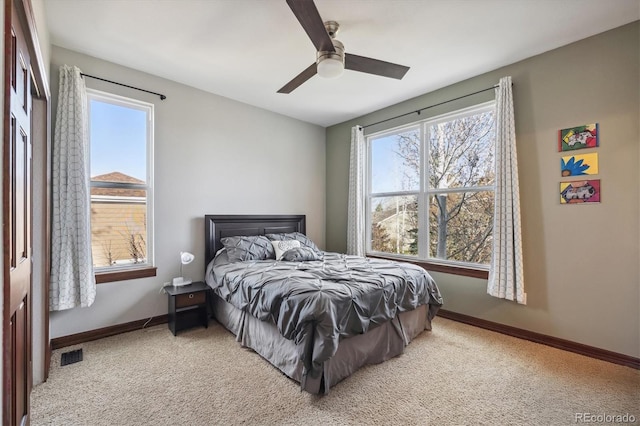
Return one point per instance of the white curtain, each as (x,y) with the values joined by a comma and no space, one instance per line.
(356,211)
(72,280)
(506,279)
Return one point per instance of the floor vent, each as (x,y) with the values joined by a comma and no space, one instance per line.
(71,357)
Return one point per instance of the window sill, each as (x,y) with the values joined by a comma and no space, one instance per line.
(440,267)
(129,274)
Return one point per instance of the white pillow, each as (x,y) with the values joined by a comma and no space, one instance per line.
(281,246)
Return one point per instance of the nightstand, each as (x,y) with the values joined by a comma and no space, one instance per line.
(187,306)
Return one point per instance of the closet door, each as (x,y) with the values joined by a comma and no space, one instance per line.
(17,223)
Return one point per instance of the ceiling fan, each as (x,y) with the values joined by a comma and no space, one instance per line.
(331,57)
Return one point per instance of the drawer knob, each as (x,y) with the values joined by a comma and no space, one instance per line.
(191,296)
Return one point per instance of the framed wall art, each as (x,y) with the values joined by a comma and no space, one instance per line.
(580,191)
(586,136)
(579,164)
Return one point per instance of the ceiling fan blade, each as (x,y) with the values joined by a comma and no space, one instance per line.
(307,14)
(374,66)
(299,79)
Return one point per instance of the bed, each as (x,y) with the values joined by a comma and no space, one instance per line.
(316,316)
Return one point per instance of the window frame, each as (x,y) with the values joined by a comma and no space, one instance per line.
(136,270)
(424,193)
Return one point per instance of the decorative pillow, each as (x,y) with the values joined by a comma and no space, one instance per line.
(282,246)
(256,247)
(299,254)
(304,240)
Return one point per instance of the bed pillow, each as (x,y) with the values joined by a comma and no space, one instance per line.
(281,246)
(256,247)
(298,236)
(300,254)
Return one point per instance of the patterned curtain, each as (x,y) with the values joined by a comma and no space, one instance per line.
(72,280)
(506,279)
(356,236)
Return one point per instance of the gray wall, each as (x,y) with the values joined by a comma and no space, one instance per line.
(581,262)
(212,156)
(43,33)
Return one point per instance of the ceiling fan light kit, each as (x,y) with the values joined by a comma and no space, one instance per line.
(331,64)
(331,60)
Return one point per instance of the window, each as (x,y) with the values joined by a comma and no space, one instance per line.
(431,189)
(121,145)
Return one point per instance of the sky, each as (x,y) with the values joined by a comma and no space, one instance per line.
(118,140)
(387,166)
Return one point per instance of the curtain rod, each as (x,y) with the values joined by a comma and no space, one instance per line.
(162,97)
(431,106)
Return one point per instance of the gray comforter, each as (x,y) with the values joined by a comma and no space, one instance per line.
(318,303)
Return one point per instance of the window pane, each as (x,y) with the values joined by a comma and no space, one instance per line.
(394,224)
(120,142)
(118,137)
(461,226)
(395,162)
(118,226)
(461,152)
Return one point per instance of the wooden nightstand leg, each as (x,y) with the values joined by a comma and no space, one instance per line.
(205,319)
(210,304)
(172,314)
(205,310)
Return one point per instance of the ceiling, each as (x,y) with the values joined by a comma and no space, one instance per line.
(248,49)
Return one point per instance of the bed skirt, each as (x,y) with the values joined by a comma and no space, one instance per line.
(375,346)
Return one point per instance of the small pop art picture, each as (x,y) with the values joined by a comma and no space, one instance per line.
(580,191)
(578,137)
(578,165)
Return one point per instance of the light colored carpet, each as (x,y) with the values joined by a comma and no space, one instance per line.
(456,374)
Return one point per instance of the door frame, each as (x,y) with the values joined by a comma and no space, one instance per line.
(42,230)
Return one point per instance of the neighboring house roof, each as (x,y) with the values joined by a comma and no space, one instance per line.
(389,212)
(117,192)
(381,216)
(396,217)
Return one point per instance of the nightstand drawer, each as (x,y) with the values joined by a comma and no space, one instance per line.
(190,299)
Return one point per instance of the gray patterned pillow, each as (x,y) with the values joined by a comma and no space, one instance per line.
(304,240)
(256,247)
(299,254)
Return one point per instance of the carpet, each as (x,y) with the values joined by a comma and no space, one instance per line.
(454,375)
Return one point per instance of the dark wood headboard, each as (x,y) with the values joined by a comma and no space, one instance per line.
(220,226)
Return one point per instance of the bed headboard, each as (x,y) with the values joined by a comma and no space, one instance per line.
(220,226)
